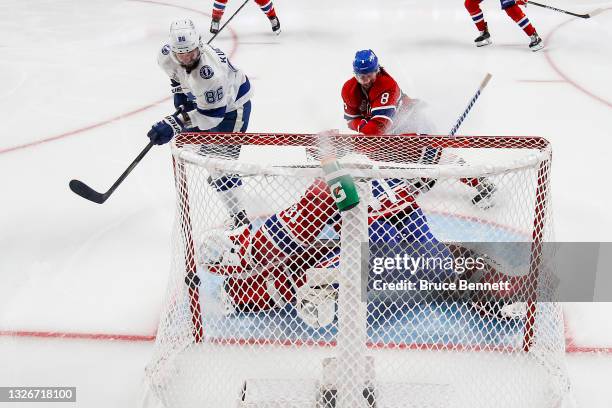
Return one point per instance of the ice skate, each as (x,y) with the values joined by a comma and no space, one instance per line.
(536,43)
(275,25)
(484,38)
(214,26)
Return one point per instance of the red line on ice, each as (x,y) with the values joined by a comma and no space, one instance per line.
(81,336)
(566,77)
(570,346)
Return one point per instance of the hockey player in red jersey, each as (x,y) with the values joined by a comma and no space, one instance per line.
(266,265)
(265,5)
(511,7)
(374,104)
(284,259)
(372,98)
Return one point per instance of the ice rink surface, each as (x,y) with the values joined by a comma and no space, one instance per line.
(81,89)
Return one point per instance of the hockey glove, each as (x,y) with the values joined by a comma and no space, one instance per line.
(163,131)
(361,125)
(181,101)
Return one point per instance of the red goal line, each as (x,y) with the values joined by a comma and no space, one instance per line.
(570,346)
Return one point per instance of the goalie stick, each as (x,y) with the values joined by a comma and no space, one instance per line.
(559,10)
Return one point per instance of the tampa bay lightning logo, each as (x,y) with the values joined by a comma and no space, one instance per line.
(206,72)
(166,49)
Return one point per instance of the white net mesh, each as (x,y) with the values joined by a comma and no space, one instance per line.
(271,300)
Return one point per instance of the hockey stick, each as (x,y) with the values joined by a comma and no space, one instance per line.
(227,22)
(88,193)
(432,155)
(559,10)
(483,84)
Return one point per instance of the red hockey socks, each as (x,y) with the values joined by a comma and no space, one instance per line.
(473,8)
(521,19)
(218,9)
(267,7)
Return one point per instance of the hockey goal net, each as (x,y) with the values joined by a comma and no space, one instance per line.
(280,309)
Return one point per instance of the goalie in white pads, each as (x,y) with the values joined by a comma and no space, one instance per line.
(211,94)
(285,261)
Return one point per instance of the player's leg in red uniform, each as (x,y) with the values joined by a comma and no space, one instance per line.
(217,14)
(515,13)
(265,5)
(268,9)
(473,7)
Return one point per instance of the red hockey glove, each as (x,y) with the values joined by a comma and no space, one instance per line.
(361,125)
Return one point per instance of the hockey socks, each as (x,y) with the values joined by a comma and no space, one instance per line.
(521,19)
(267,7)
(218,10)
(473,8)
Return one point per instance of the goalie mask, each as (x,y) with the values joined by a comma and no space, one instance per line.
(185,43)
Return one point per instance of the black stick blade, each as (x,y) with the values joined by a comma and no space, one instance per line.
(82,189)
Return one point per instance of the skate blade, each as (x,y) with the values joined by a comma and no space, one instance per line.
(537,47)
(483,43)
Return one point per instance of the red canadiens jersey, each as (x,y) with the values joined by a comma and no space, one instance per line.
(378,106)
(300,225)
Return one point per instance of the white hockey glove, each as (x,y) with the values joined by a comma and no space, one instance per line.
(316,300)
(316,306)
(225,248)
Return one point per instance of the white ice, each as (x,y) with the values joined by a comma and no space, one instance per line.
(67,265)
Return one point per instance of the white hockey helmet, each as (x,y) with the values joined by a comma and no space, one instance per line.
(184,37)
